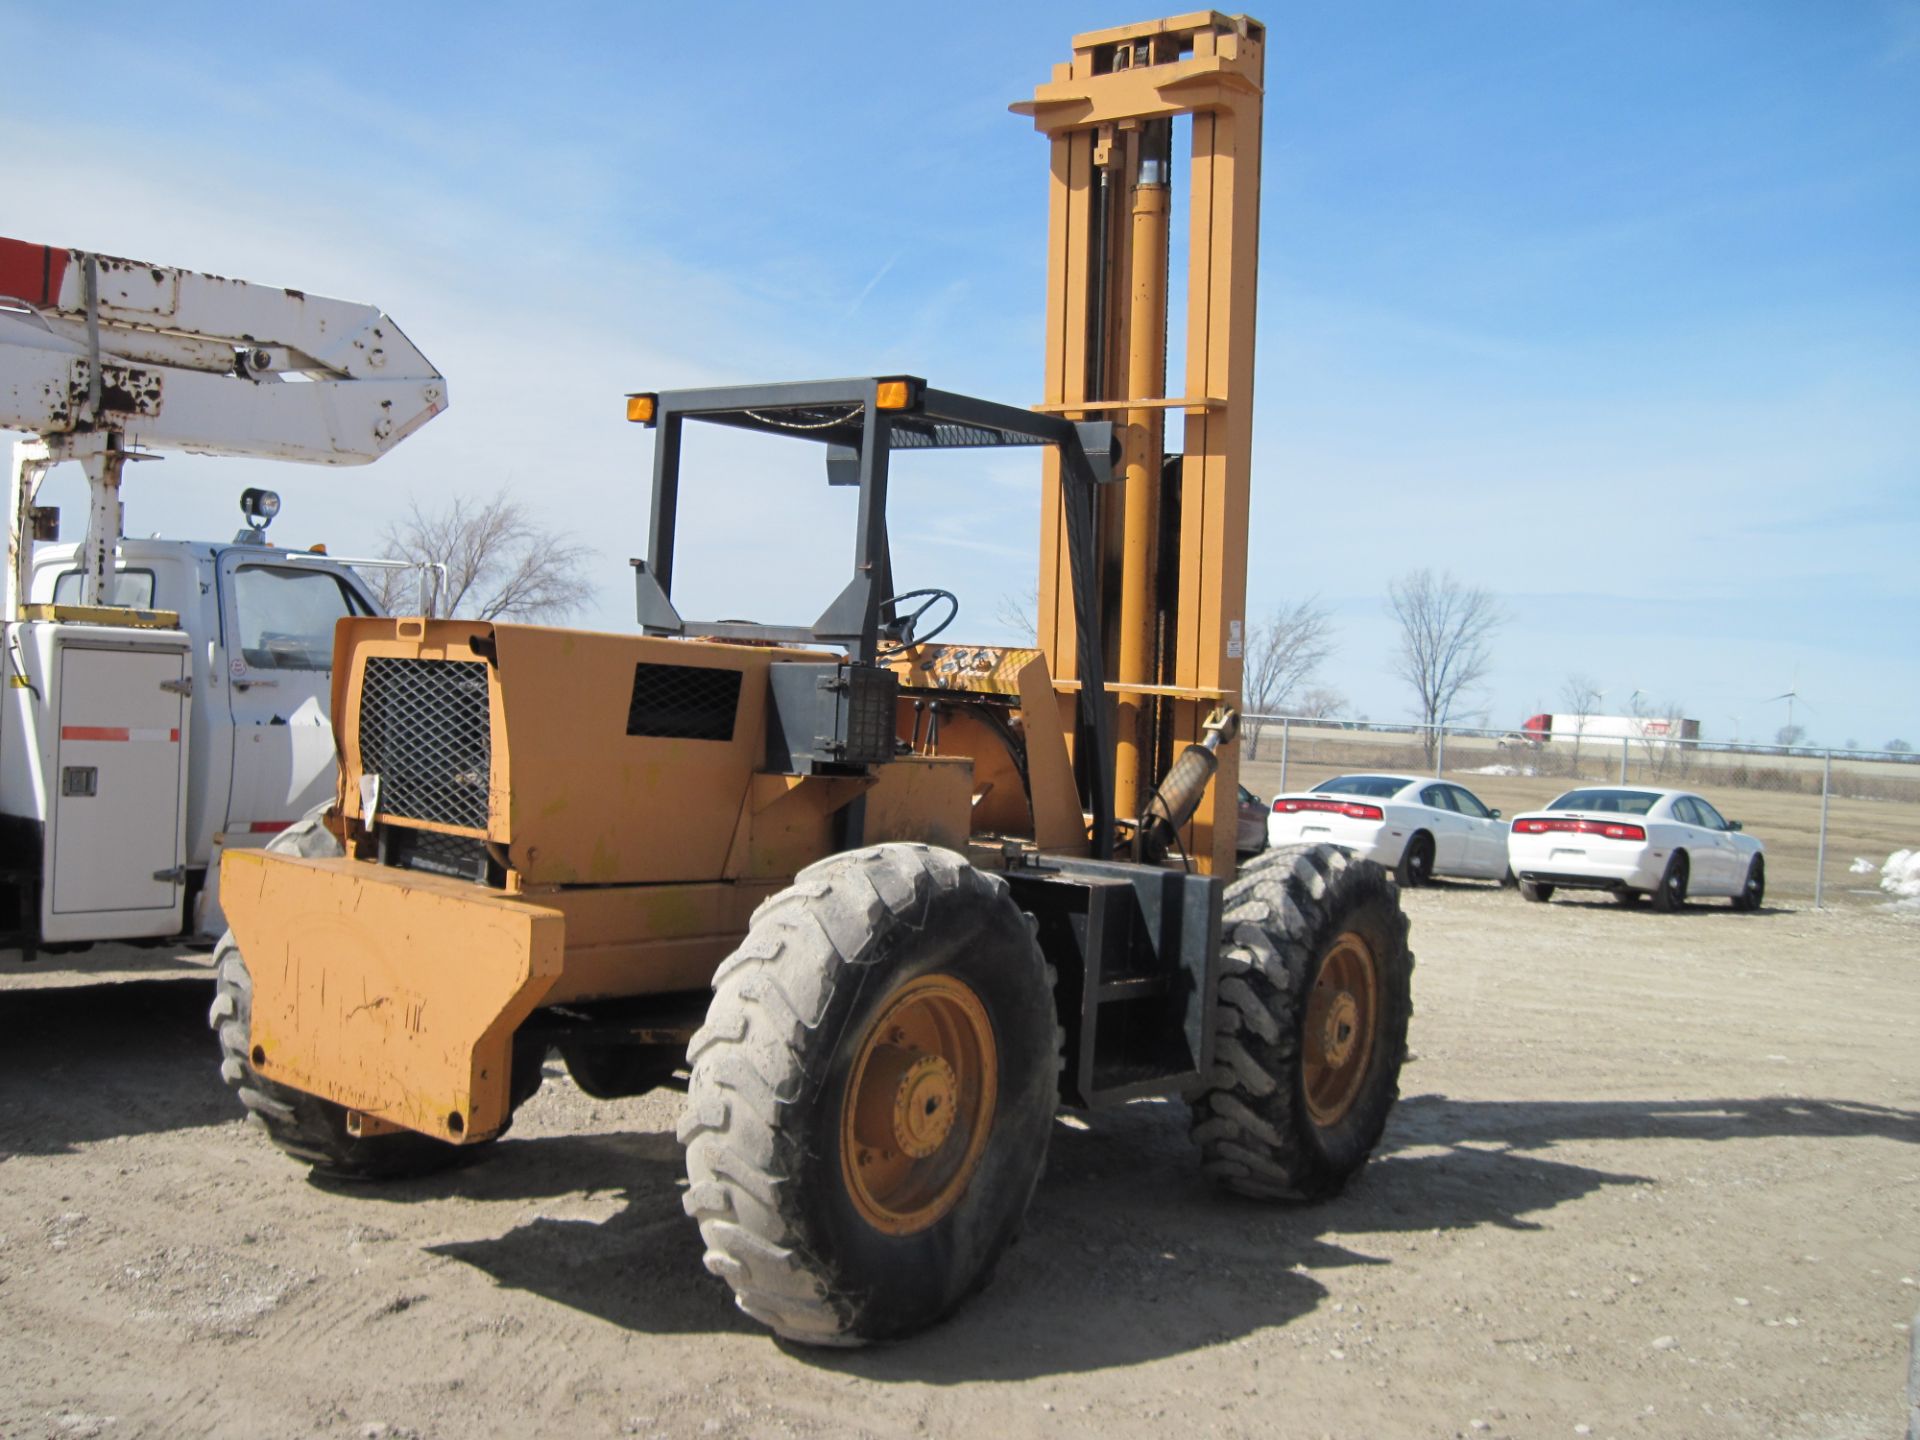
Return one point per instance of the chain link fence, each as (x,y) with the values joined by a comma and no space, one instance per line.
(1830,819)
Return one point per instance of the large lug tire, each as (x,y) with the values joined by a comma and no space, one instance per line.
(306,1127)
(1754,891)
(871,1095)
(1310,1029)
(615,1072)
(1416,862)
(1671,894)
(1535,892)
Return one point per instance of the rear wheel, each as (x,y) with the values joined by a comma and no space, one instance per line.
(1310,1027)
(1533,890)
(1416,862)
(1671,893)
(615,1072)
(1755,889)
(305,1126)
(871,1095)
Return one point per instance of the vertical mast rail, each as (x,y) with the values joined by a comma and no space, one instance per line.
(1109,115)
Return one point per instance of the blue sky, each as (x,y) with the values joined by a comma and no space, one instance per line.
(1612,308)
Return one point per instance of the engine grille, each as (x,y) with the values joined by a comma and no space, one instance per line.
(424,732)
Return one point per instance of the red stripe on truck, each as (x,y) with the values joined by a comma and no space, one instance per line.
(116,732)
(31,272)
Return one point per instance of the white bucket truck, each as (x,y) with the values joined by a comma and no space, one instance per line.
(165,699)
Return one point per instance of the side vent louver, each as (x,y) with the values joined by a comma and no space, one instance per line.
(683,702)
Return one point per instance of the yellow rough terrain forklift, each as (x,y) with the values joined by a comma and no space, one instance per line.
(881,904)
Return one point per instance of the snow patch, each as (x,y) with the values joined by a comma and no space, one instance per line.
(1501,770)
(1900,876)
(1861,866)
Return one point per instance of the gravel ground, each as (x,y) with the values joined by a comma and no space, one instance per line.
(1650,1176)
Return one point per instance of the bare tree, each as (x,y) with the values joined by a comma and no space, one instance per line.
(1323,702)
(1660,728)
(501,563)
(1581,697)
(1445,630)
(1788,736)
(1282,654)
(1021,614)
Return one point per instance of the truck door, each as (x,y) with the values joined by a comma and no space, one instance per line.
(115,797)
(277,618)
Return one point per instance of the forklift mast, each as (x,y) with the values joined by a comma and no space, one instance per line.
(1171,541)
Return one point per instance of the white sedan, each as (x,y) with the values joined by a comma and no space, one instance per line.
(1636,841)
(1417,827)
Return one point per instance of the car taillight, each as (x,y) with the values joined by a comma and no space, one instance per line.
(1606,829)
(1353,810)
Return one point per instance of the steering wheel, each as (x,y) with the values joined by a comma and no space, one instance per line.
(904,629)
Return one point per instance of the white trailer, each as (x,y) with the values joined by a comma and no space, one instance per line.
(165,700)
(1542,728)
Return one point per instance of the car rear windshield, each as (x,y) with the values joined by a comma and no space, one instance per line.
(1374,787)
(1607,802)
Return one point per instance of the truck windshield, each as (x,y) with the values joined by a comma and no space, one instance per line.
(287,616)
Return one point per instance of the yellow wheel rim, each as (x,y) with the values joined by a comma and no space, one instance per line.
(1343,1015)
(919,1105)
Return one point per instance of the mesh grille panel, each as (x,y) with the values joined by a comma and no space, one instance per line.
(683,702)
(424,732)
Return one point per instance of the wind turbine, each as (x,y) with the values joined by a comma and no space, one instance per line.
(1790,694)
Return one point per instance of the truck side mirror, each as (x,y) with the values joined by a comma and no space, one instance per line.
(44,522)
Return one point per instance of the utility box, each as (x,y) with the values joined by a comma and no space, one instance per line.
(93,745)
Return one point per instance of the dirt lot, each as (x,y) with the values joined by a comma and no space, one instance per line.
(1650,1176)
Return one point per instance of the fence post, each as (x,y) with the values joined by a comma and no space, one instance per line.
(1440,752)
(1820,861)
(1283,754)
(1623,759)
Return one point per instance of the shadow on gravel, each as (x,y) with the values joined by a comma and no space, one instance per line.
(1714,907)
(639,1270)
(1128,1254)
(96,1062)
(1529,1124)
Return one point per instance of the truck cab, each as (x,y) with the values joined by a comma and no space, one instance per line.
(141,739)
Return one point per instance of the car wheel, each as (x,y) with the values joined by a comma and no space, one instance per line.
(1539,894)
(1672,891)
(1755,890)
(1508,879)
(1416,862)
(1629,898)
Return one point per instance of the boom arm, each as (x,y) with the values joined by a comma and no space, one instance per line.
(99,355)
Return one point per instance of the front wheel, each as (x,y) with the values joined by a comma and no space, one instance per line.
(1310,1029)
(1755,889)
(305,1126)
(871,1095)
